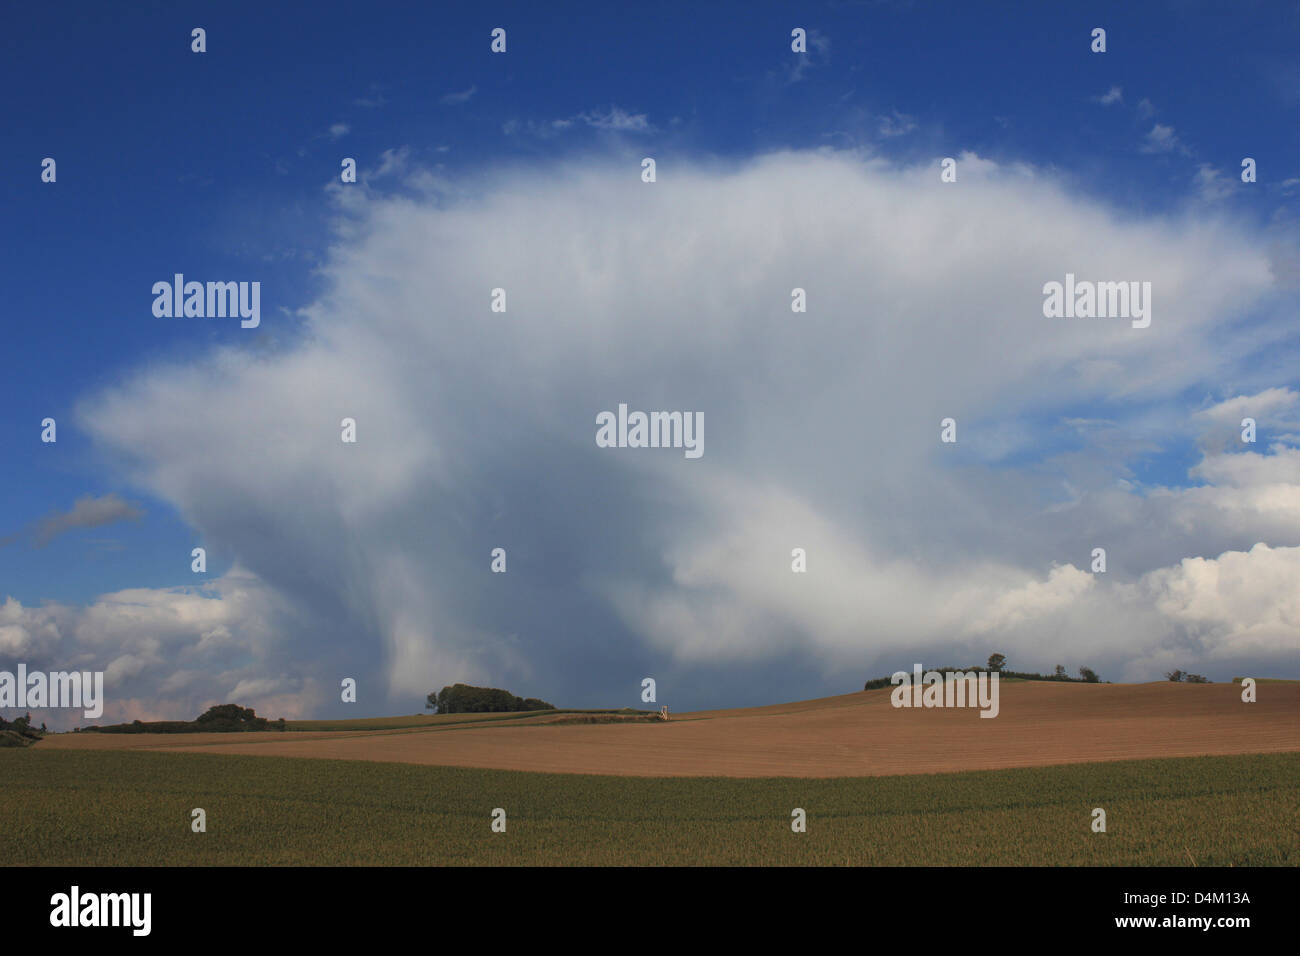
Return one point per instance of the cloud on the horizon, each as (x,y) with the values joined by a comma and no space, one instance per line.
(476,430)
(168,653)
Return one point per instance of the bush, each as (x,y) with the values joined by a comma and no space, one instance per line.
(18,732)
(464,699)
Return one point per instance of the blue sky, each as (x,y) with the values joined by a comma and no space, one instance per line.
(224,165)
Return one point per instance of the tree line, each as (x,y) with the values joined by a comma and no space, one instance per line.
(223,718)
(998,663)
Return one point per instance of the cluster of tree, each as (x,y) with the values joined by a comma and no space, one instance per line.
(223,718)
(1183,677)
(464,699)
(18,732)
(998,663)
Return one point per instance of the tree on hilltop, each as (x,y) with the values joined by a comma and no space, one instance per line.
(464,699)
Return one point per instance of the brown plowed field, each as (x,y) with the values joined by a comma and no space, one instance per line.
(852,735)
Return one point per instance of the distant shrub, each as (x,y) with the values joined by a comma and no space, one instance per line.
(464,699)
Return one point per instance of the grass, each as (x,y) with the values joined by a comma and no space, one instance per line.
(104,808)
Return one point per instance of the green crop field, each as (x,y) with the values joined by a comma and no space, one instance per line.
(85,807)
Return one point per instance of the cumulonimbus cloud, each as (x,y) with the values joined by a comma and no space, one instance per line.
(476,430)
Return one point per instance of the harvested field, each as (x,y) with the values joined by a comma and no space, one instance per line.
(1040,724)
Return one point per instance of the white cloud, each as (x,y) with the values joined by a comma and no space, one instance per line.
(339,130)
(181,648)
(456,99)
(616,118)
(476,430)
(1236,604)
(1113,95)
(1161,139)
(1211,184)
(1270,403)
(897,124)
(27,632)
(1034,599)
(392,162)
